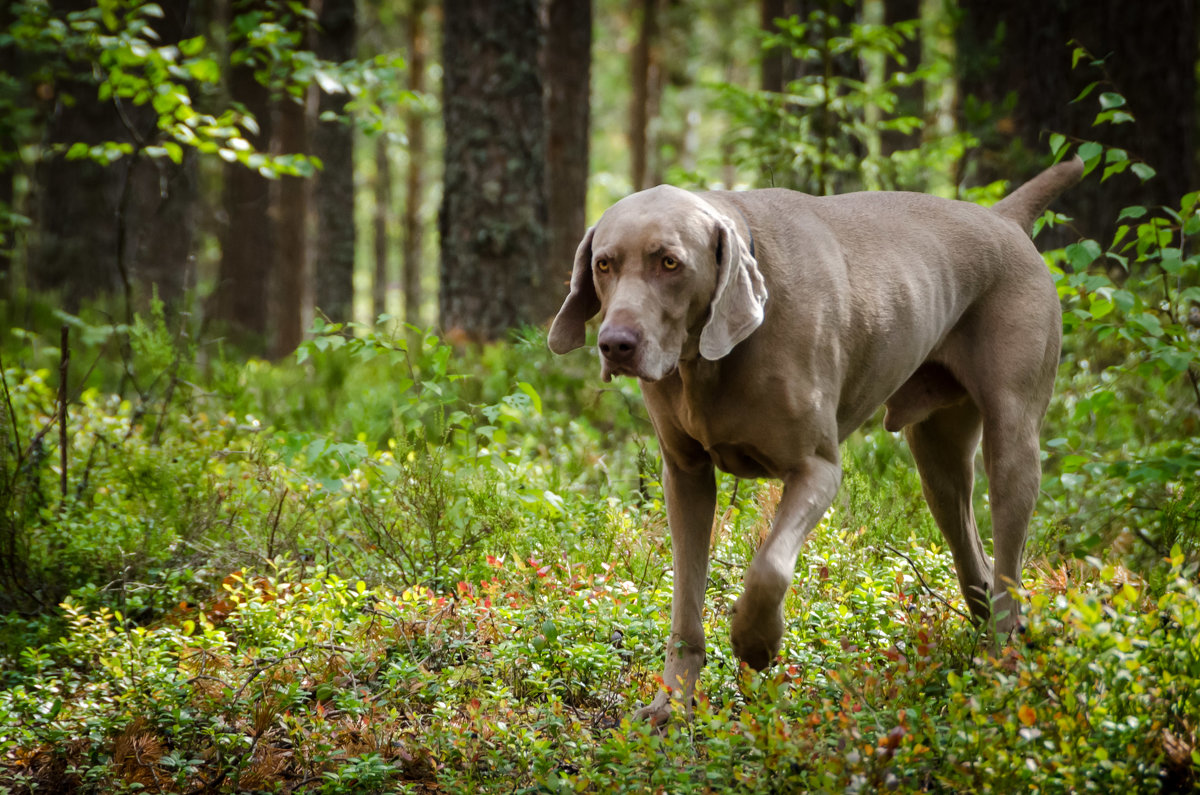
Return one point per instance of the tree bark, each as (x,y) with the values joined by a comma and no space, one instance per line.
(383,211)
(910,98)
(1016,80)
(8,161)
(292,285)
(414,183)
(247,235)
(125,228)
(494,273)
(333,143)
(771,74)
(644,78)
(567,67)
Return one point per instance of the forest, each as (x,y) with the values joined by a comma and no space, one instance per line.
(295,498)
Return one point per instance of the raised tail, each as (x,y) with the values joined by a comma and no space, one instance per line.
(1028,202)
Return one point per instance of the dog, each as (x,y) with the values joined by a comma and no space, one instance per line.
(766,325)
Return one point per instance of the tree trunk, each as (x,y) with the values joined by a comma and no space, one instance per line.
(644,78)
(1016,80)
(333,143)
(567,66)
(125,228)
(772,58)
(248,233)
(383,211)
(414,184)
(493,267)
(910,98)
(8,160)
(292,285)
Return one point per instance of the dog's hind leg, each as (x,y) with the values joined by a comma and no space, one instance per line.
(1011,457)
(944,446)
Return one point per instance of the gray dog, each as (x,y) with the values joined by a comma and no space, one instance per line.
(766,325)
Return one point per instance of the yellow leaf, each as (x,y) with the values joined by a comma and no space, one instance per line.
(1027,715)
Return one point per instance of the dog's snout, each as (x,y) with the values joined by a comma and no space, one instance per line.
(619,344)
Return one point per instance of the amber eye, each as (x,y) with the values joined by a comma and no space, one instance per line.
(602,265)
(670,263)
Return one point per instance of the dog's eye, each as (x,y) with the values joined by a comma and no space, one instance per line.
(602,265)
(670,263)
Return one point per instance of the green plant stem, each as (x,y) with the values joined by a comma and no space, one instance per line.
(63,366)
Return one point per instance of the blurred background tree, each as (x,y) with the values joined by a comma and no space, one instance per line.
(256,162)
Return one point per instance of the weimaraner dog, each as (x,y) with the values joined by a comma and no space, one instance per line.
(766,325)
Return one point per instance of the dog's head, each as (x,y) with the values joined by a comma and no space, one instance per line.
(671,276)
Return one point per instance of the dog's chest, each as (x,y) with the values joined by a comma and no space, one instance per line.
(730,431)
(741,461)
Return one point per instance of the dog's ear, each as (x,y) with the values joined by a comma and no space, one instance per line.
(739,298)
(569,329)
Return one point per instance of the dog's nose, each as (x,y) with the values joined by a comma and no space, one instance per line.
(619,344)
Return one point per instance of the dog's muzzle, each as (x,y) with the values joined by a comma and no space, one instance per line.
(619,347)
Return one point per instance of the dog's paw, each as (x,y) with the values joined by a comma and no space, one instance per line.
(756,632)
(1006,615)
(657,713)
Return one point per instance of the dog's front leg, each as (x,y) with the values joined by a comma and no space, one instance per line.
(758,615)
(691,500)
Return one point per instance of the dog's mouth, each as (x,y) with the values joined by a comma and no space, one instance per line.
(609,369)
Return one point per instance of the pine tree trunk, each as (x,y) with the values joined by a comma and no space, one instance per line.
(291,292)
(567,67)
(8,160)
(1016,57)
(333,143)
(641,110)
(414,185)
(248,234)
(122,229)
(771,71)
(494,273)
(383,211)
(911,98)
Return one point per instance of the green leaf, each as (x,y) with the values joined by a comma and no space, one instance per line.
(1057,142)
(193,46)
(1100,307)
(204,70)
(1148,323)
(534,397)
(1115,168)
(1172,261)
(1134,211)
(1082,254)
(1090,152)
(1111,99)
(1143,170)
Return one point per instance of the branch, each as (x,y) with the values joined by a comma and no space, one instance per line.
(925,584)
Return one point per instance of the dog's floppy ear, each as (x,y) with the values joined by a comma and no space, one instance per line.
(737,304)
(569,330)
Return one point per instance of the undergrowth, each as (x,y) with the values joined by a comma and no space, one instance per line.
(390,566)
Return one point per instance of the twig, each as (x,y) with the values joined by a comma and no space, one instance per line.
(12,413)
(63,364)
(924,584)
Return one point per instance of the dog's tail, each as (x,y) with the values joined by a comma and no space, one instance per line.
(1028,202)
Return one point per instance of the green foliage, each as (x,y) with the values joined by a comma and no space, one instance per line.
(519,681)
(821,134)
(1131,371)
(116,52)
